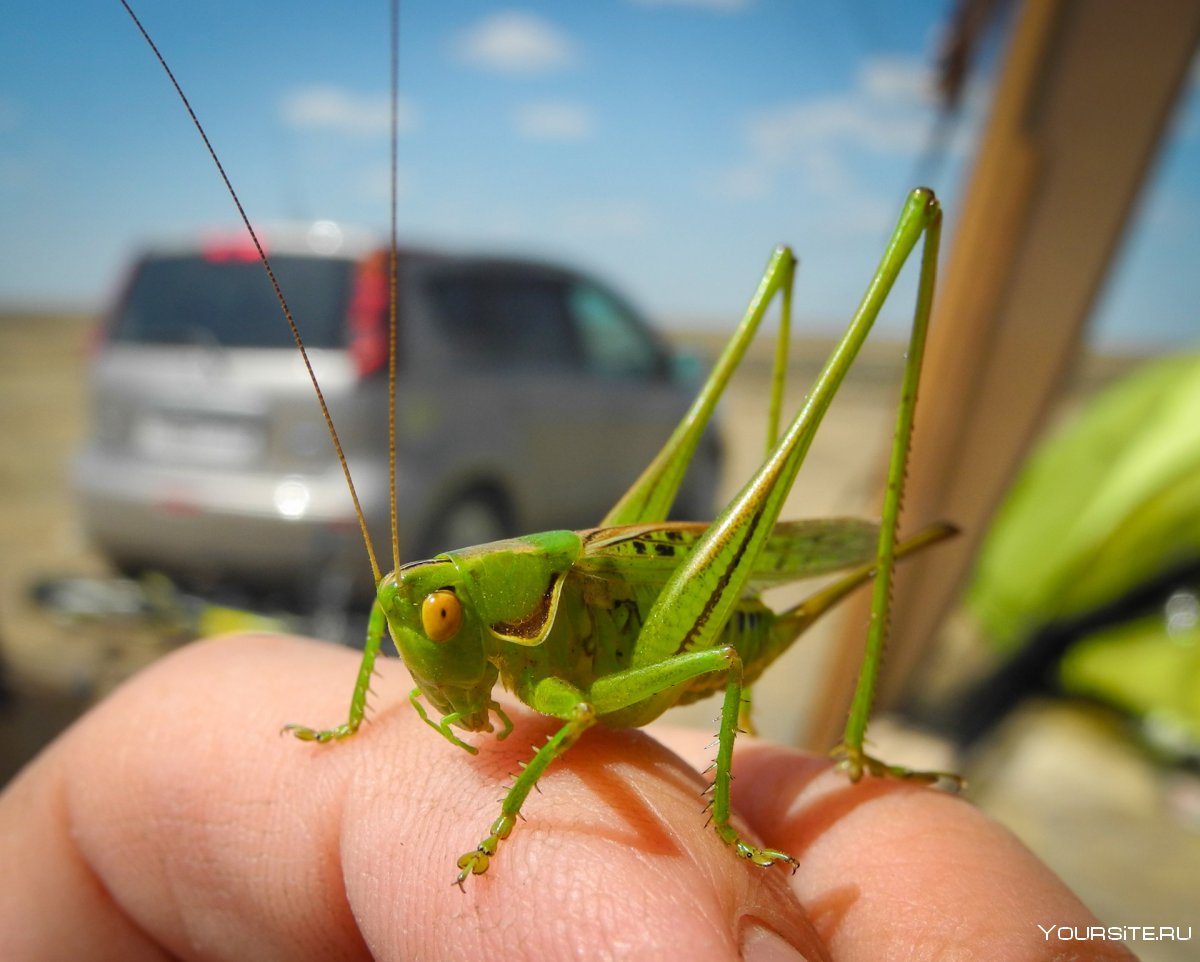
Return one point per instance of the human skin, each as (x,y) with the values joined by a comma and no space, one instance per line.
(173,821)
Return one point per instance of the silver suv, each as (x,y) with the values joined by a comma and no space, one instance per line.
(528,398)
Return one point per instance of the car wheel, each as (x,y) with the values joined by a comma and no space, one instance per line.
(471,520)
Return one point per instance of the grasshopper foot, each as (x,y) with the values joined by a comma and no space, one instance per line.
(476,862)
(306,734)
(855,763)
(763,857)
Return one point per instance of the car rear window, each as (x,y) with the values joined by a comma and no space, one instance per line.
(191,299)
(502,319)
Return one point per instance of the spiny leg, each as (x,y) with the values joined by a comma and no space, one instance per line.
(852,759)
(774,417)
(731,708)
(358,701)
(695,604)
(638,685)
(611,694)
(581,717)
(652,494)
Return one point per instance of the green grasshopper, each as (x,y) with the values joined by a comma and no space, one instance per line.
(615,624)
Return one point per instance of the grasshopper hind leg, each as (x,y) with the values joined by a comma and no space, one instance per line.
(850,754)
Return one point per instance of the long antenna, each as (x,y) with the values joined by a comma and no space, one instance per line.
(393,308)
(287,311)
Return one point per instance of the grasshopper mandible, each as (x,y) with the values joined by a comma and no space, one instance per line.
(615,624)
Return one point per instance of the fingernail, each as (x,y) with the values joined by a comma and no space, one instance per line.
(760,944)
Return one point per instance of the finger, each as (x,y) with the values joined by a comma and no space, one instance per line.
(162,820)
(174,819)
(890,869)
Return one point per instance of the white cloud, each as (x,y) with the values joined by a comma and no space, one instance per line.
(555,120)
(342,111)
(887,113)
(515,42)
(721,6)
(784,132)
(898,80)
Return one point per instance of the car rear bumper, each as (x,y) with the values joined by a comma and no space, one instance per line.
(266,529)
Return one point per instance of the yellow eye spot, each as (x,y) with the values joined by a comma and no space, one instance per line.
(441,615)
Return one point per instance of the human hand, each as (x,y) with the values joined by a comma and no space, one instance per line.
(173,821)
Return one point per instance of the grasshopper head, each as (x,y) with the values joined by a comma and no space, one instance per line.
(440,638)
(453,618)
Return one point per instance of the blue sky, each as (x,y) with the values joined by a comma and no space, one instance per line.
(667,144)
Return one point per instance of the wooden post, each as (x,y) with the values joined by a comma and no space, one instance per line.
(1082,102)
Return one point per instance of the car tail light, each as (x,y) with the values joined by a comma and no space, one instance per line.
(368,316)
(223,250)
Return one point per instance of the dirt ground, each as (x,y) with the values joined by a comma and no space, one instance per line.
(1124,833)
(52,671)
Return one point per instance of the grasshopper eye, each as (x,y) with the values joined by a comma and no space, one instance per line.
(441,615)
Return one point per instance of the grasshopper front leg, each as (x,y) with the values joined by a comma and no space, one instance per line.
(580,717)
(376,626)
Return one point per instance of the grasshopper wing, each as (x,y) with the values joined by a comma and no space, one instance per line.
(650,553)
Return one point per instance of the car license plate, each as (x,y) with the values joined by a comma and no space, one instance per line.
(196,441)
